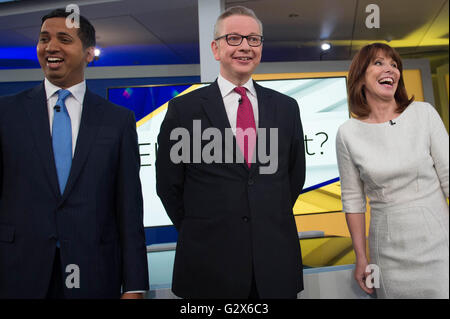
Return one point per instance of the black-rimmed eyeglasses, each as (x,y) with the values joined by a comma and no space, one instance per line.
(236,39)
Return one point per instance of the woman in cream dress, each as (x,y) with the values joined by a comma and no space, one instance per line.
(395,152)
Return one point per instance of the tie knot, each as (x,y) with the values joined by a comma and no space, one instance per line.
(241,90)
(63,94)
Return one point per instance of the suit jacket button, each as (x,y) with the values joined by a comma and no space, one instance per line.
(245,219)
(251,182)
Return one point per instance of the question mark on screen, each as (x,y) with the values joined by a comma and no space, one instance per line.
(326,139)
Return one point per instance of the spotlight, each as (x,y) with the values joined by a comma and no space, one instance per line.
(325,46)
(97,53)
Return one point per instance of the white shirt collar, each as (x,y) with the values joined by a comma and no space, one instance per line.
(77,91)
(226,86)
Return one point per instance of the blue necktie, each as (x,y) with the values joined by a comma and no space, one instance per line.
(62,139)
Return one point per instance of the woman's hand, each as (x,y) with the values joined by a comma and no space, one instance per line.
(361,274)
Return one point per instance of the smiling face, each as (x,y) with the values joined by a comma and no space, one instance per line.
(381,78)
(61,54)
(237,63)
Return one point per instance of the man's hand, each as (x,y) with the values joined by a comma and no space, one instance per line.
(132,295)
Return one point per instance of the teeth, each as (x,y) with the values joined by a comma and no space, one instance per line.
(54,59)
(389,80)
(244,59)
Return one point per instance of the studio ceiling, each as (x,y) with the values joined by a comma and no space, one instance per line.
(137,32)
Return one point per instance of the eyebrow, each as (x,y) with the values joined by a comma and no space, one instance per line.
(379,57)
(58,34)
(236,33)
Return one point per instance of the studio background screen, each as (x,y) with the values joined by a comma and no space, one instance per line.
(323,108)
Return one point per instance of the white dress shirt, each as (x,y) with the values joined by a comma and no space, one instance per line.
(231,99)
(74,105)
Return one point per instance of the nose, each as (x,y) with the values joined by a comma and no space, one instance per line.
(244,45)
(389,68)
(52,46)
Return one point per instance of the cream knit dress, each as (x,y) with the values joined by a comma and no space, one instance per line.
(403,168)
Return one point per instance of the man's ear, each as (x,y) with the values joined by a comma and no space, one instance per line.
(90,55)
(215,49)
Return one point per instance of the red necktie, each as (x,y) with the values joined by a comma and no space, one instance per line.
(245,126)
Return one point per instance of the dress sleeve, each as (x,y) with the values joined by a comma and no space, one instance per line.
(352,188)
(439,148)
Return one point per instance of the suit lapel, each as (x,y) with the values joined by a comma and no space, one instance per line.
(39,123)
(90,117)
(266,118)
(216,113)
(266,107)
(215,109)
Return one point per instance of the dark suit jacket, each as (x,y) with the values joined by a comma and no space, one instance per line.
(233,221)
(99,218)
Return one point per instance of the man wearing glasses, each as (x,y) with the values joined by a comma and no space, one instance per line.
(237,236)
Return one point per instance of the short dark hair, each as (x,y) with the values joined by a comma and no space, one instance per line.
(356,95)
(86,31)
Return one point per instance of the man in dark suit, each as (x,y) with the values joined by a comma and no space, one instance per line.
(71,215)
(237,236)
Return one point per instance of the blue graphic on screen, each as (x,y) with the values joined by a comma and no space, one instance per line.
(144,100)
